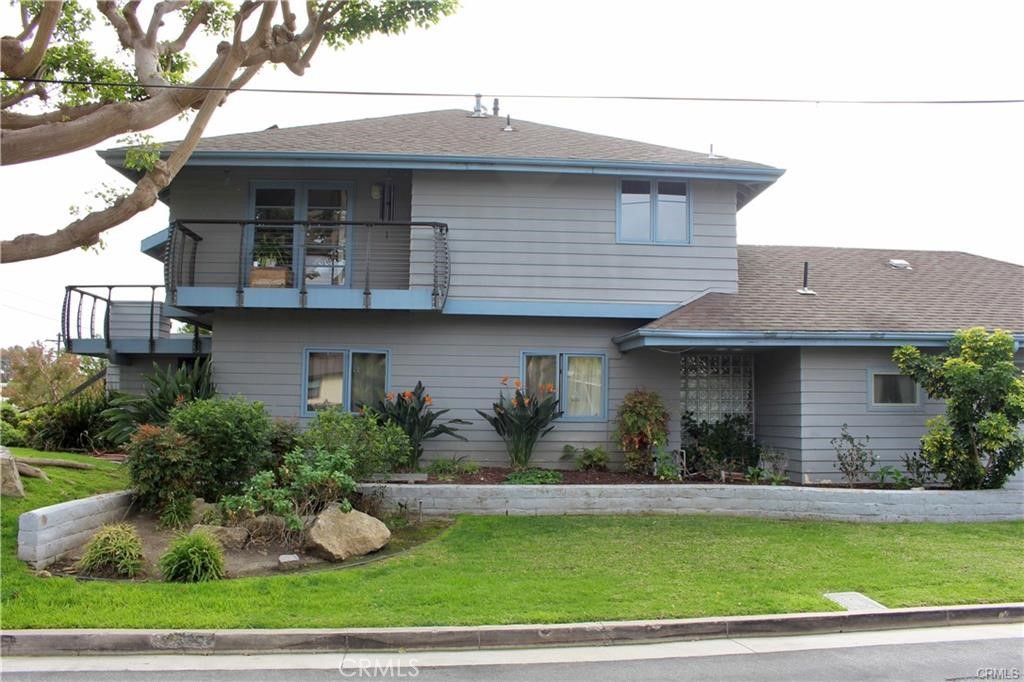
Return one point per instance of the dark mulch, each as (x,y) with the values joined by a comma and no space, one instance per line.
(496,475)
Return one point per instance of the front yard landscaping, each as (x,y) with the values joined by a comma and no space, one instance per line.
(541,569)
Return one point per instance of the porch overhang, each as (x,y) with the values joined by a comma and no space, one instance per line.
(682,339)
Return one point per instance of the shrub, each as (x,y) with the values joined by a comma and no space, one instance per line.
(666,466)
(74,424)
(303,486)
(918,471)
(642,423)
(234,436)
(411,411)
(114,549)
(193,558)
(177,512)
(978,443)
(284,437)
(11,436)
(522,420)
(587,459)
(9,413)
(164,468)
(450,469)
(534,477)
(774,462)
(166,389)
(374,446)
(853,457)
(722,445)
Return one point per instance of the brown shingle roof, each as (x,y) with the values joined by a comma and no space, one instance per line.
(858,291)
(454,133)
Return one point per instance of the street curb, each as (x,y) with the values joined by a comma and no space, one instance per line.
(92,642)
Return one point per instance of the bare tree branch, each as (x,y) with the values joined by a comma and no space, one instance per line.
(157,20)
(29,62)
(197,20)
(25,93)
(28,23)
(131,15)
(110,10)
(13,120)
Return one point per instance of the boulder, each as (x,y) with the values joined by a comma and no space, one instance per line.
(10,479)
(337,535)
(230,537)
(266,527)
(204,512)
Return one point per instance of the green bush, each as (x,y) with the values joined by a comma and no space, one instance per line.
(666,466)
(534,477)
(411,411)
(452,468)
(193,558)
(375,446)
(284,437)
(854,458)
(522,420)
(234,436)
(11,436)
(978,443)
(166,389)
(10,414)
(164,468)
(642,423)
(115,549)
(722,445)
(587,459)
(74,424)
(303,485)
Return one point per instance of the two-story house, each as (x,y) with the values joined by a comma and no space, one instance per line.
(337,262)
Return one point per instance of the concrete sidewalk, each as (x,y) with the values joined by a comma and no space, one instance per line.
(73,642)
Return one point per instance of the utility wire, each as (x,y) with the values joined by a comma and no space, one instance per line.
(640,98)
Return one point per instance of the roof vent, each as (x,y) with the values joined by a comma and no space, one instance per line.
(508,125)
(711,152)
(479,110)
(899,264)
(806,290)
(494,111)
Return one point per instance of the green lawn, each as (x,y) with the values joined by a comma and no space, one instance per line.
(546,569)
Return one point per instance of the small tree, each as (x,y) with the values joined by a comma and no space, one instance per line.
(642,424)
(853,457)
(978,442)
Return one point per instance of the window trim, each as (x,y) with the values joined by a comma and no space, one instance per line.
(653,238)
(561,384)
(348,351)
(872,406)
(301,209)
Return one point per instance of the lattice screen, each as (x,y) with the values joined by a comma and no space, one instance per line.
(713,385)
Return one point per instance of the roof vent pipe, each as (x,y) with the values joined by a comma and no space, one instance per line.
(495,107)
(806,290)
(508,125)
(478,109)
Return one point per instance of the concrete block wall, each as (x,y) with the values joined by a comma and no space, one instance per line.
(782,502)
(48,533)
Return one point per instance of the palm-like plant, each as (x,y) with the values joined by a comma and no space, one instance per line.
(523,419)
(411,411)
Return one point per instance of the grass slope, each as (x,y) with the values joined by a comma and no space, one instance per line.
(546,569)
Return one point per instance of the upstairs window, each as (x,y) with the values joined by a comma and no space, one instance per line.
(653,212)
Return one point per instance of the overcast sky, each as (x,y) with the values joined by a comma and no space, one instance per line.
(921,177)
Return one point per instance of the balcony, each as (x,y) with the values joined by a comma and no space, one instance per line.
(109,320)
(213,263)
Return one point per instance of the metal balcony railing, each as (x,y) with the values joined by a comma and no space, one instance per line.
(91,312)
(304,255)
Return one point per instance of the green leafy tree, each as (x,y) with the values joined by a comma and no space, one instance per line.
(102,97)
(978,442)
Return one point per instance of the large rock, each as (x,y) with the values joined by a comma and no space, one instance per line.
(230,537)
(204,512)
(337,535)
(266,528)
(10,479)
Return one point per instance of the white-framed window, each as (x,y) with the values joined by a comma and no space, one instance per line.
(579,379)
(652,211)
(341,377)
(892,389)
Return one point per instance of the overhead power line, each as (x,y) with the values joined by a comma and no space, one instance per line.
(520,95)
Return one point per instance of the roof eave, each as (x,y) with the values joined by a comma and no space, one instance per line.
(307,159)
(686,338)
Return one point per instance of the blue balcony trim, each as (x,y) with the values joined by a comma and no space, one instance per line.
(648,311)
(322,298)
(139,346)
(682,339)
(154,244)
(313,159)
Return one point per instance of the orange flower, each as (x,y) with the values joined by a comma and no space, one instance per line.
(526,401)
(515,403)
(427,400)
(517,383)
(504,380)
(551,388)
(407,395)
(390,395)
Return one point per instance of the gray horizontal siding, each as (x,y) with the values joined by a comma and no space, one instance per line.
(777,404)
(834,388)
(532,237)
(132,320)
(460,361)
(221,193)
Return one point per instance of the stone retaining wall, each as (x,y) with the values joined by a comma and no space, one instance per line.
(780,502)
(48,533)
